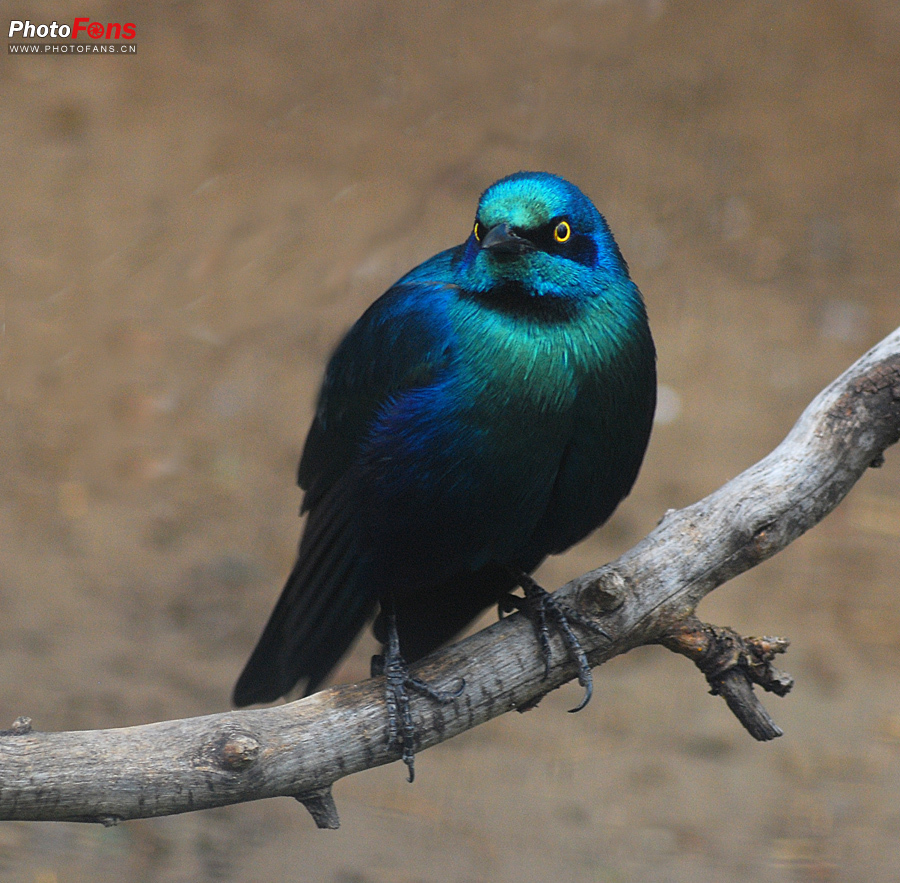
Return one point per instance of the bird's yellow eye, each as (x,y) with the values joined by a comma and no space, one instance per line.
(562,232)
(477,232)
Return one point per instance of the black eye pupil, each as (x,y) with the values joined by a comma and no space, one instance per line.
(562,232)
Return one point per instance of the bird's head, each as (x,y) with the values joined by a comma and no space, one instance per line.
(538,233)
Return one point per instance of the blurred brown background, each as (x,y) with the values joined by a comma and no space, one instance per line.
(187,232)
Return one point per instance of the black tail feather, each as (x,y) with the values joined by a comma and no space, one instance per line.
(323,606)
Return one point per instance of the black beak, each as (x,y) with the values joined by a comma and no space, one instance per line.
(502,240)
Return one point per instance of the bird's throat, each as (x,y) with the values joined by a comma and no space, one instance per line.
(513,298)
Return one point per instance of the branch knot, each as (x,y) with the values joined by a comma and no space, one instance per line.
(233,751)
(21,726)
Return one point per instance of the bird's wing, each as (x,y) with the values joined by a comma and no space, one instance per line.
(401,342)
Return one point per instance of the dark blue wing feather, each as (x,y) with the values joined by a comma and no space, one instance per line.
(401,342)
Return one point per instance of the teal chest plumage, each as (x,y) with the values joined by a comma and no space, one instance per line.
(540,421)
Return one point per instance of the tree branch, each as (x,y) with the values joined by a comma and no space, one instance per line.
(647,596)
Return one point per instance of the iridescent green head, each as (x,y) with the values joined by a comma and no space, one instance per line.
(541,233)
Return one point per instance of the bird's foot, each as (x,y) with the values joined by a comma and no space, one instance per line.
(398,682)
(540,606)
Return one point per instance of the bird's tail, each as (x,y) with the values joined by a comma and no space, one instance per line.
(324,605)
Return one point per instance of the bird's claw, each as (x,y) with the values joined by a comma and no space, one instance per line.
(539,606)
(398,682)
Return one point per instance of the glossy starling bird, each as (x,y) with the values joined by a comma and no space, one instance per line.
(490,409)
